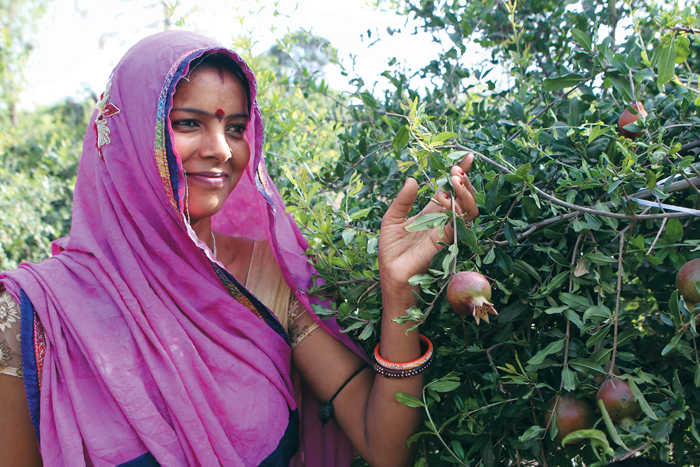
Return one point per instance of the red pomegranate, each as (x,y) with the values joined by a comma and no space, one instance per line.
(618,400)
(686,279)
(571,414)
(628,117)
(469,293)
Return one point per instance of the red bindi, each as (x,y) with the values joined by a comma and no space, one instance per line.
(219,114)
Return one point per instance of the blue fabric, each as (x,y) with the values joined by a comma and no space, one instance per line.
(29,369)
(146,460)
(288,445)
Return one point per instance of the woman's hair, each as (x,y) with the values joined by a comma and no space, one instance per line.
(221,62)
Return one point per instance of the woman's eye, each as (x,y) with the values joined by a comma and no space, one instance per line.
(238,129)
(185,123)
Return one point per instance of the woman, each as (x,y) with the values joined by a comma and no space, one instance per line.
(171,326)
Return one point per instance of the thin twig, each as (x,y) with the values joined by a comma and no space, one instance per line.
(568,321)
(661,229)
(611,372)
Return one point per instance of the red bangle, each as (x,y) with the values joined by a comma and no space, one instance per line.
(427,356)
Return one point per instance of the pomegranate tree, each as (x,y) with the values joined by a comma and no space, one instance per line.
(618,400)
(571,414)
(628,117)
(469,293)
(686,279)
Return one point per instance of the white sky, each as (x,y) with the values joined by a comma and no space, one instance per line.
(79,41)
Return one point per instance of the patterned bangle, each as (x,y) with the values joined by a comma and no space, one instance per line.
(427,348)
(404,370)
(296,335)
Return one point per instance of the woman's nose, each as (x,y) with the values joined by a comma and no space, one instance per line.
(217,146)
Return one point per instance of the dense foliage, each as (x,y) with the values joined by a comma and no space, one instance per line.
(581,230)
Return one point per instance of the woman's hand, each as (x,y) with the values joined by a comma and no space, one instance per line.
(403,254)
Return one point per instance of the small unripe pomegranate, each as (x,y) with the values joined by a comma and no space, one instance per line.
(571,414)
(618,400)
(628,117)
(469,293)
(686,279)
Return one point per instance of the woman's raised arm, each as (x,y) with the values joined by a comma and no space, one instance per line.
(366,409)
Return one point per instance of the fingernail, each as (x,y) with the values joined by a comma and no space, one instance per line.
(460,182)
(446,195)
(461,171)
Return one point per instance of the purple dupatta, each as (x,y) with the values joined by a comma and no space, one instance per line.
(151,347)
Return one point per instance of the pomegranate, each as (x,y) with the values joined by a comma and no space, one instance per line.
(628,117)
(469,293)
(571,414)
(618,400)
(686,279)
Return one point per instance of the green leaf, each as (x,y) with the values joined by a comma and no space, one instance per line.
(642,401)
(437,163)
(445,386)
(667,63)
(427,221)
(577,302)
(554,347)
(511,236)
(578,435)
(612,431)
(560,82)
(407,399)
(671,345)
(468,237)
(673,308)
(401,139)
(597,313)
(662,429)
(492,197)
(531,433)
(586,366)
(682,46)
(674,230)
(569,379)
(445,135)
(582,39)
(360,213)
(599,258)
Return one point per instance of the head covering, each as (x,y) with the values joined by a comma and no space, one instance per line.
(153,351)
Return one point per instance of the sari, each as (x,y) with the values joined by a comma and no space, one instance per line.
(138,347)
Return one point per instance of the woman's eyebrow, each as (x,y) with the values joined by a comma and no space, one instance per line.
(209,114)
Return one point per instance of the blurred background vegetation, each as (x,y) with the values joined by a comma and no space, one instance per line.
(581,230)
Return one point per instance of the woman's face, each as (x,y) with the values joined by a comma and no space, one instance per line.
(209,119)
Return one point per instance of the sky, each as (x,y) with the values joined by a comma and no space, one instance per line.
(80,41)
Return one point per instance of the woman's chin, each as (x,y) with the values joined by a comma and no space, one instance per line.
(198,213)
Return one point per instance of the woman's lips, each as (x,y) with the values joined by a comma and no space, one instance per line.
(210,179)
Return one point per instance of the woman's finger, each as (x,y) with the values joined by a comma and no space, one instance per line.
(465,200)
(458,171)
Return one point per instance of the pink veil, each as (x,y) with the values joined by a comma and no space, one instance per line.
(153,352)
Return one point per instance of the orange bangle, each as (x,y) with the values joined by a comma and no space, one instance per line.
(427,355)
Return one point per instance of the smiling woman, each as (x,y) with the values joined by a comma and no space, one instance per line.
(145,343)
